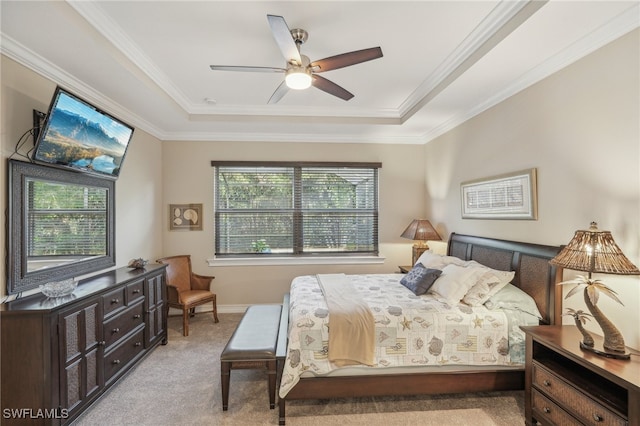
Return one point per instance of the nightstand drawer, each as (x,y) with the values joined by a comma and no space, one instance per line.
(546,412)
(573,400)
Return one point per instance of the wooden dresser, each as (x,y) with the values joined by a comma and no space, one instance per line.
(567,386)
(60,355)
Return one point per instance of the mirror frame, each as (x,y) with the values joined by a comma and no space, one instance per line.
(18,279)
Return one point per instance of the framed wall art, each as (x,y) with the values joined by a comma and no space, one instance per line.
(186,217)
(507,196)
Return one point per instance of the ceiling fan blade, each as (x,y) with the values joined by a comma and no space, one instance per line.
(282,35)
(245,69)
(279,93)
(330,87)
(346,59)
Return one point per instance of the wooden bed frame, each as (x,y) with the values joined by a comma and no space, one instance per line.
(533,274)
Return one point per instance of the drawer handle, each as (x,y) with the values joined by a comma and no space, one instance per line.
(101,343)
(115,362)
(115,301)
(136,316)
(115,330)
(546,383)
(137,344)
(597,418)
(136,291)
(546,410)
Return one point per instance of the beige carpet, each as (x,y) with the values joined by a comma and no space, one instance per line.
(179,384)
(473,416)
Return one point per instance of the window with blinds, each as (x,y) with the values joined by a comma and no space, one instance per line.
(295,209)
(66,220)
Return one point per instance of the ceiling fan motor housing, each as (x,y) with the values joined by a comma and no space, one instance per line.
(299,36)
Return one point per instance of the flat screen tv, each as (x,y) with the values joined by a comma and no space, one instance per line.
(79,136)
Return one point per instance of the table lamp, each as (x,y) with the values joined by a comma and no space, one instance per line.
(420,230)
(593,250)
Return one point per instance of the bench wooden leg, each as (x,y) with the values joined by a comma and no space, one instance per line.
(281,407)
(271,372)
(225,376)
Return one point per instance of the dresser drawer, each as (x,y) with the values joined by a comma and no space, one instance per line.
(121,324)
(589,411)
(135,291)
(117,359)
(547,412)
(113,301)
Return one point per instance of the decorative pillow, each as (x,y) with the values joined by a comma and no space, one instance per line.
(455,282)
(437,261)
(488,284)
(511,297)
(419,279)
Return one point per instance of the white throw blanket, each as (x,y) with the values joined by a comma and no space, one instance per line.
(351,323)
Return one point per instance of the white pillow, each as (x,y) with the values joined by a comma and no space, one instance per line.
(511,297)
(455,281)
(430,260)
(489,283)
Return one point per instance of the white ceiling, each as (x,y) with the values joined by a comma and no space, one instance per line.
(147,62)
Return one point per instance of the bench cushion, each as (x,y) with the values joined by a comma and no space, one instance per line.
(256,335)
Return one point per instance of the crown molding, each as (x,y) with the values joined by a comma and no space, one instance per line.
(617,27)
(495,27)
(26,57)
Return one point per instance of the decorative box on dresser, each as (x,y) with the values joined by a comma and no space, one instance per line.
(565,385)
(59,355)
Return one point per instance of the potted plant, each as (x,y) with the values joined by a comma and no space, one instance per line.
(260,246)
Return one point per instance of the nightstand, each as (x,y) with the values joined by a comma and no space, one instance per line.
(405,269)
(565,385)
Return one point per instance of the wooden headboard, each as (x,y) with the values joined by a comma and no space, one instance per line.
(534,274)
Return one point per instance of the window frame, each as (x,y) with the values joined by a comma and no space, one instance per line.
(297,258)
(19,277)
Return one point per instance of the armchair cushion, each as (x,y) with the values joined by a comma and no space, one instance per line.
(193,297)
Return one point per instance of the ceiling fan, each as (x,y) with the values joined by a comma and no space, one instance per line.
(300,72)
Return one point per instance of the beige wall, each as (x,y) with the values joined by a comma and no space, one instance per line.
(188,178)
(138,190)
(580,129)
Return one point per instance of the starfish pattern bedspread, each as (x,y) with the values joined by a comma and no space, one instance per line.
(410,330)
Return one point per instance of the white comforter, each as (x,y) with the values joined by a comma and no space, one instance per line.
(410,330)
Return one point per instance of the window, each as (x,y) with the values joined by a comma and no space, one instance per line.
(295,209)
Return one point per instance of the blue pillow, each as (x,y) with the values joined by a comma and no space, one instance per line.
(420,279)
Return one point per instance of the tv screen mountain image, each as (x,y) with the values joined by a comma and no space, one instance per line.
(78,135)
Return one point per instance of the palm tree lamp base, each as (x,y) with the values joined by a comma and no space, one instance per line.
(605,352)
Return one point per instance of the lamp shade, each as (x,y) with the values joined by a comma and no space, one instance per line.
(593,250)
(420,229)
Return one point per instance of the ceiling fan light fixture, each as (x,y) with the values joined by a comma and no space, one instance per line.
(298,78)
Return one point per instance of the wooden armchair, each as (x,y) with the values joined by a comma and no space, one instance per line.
(187,290)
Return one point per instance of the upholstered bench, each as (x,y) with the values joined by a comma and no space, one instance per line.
(252,346)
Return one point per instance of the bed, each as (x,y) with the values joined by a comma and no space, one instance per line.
(532,274)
